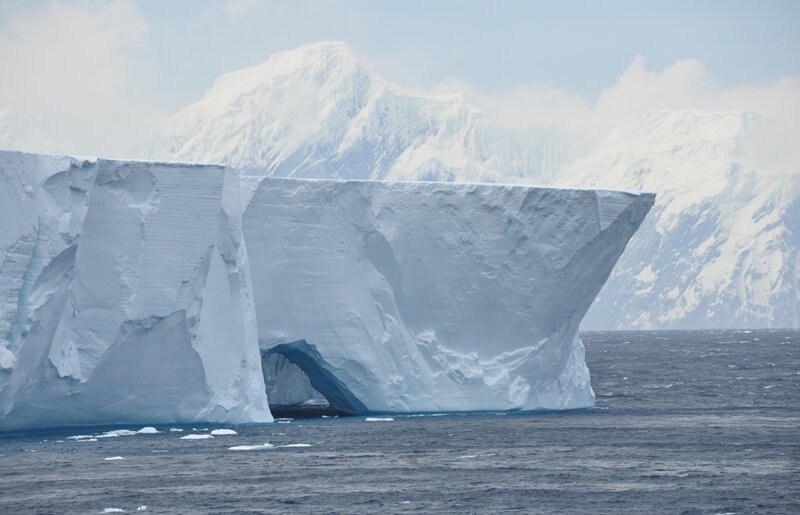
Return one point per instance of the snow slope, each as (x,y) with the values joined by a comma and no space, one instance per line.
(140,292)
(721,248)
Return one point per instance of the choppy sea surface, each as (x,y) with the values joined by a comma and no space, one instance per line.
(685,422)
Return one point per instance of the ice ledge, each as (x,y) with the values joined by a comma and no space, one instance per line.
(139,291)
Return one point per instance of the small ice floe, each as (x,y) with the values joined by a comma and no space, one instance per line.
(196,437)
(87,440)
(113,458)
(143,507)
(149,430)
(200,429)
(251,447)
(284,421)
(117,432)
(78,437)
(296,445)
(113,510)
(223,432)
(176,430)
(379,419)
(159,450)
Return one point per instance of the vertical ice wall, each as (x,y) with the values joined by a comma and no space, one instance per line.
(435,296)
(126,295)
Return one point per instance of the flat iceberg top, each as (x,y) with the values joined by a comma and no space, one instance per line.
(133,291)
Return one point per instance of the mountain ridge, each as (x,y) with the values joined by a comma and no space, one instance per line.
(720,248)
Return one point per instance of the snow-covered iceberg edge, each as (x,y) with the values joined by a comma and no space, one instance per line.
(152,292)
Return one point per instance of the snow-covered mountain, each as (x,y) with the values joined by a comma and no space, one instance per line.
(322,111)
(721,248)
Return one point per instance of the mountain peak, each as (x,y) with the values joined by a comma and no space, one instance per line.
(322,110)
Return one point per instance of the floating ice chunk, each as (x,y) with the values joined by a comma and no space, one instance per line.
(117,432)
(251,447)
(79,437)
(176,430)
(149,430)
(113,458)
(223,432)
(297,445)
(143,507)
(87,440)
(196,437)
(379,419)
(113,510)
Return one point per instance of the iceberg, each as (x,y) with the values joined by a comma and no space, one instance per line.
(143,292)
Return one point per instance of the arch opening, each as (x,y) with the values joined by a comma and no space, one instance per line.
(300,384)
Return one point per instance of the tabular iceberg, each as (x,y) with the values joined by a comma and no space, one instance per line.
(150,292)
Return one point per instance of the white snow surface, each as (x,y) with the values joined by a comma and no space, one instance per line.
(150,292)
(322,111)
(720,249)
(722,245)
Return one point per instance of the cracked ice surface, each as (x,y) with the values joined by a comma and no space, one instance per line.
(128,294)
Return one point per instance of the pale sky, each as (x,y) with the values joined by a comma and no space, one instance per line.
(137,62)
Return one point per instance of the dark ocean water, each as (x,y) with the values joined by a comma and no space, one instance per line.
(686,422)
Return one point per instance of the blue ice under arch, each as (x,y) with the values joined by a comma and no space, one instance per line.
(306,357)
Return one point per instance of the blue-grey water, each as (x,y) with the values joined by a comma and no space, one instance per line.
(685,422)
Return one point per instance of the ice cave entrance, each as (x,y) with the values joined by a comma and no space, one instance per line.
(299,384)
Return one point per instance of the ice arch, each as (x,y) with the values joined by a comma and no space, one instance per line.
(306,357)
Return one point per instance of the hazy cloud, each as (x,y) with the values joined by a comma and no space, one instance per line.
(73,68)
(77,78)
(686,84)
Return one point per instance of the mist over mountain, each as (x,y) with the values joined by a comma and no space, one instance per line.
(719,249)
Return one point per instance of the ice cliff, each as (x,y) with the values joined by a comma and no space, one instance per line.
(151,292)
(124,295)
